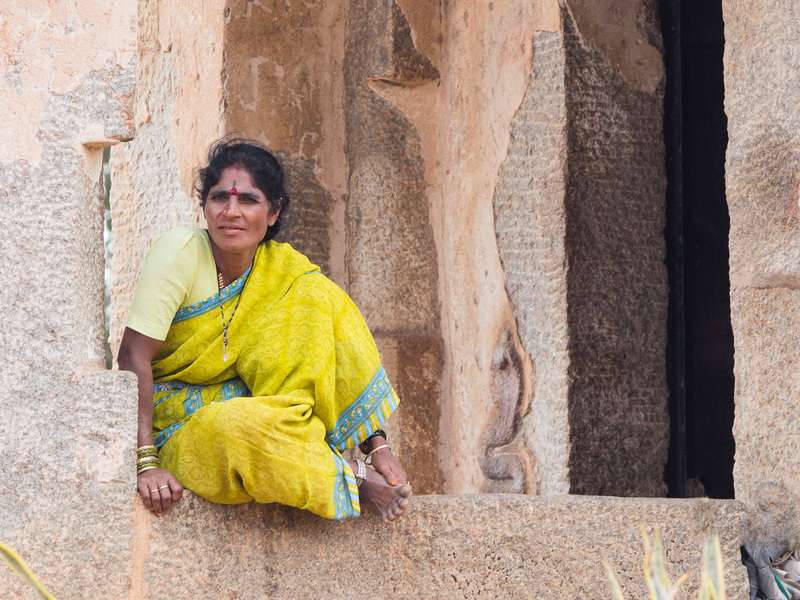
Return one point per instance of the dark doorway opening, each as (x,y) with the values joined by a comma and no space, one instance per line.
(700,347)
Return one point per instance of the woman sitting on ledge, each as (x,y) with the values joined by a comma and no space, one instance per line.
(255,370)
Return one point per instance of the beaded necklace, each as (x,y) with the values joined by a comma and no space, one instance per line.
(222,312)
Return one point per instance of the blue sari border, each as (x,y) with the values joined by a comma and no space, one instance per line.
(232,388)
(162,437)
(214,301)
(369,411)
(345,491)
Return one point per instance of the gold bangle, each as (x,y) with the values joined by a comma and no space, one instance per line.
(143,451)
(140,470)
(368,457)
(148,460)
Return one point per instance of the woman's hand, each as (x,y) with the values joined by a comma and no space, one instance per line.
(385,462)
(159,489)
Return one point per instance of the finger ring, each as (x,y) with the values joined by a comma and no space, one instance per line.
(162,487)
(153,491)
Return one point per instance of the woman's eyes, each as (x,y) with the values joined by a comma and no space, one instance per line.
(243,198)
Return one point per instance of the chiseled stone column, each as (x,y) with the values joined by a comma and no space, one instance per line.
(579,217)
(391,261)
(762,79)
(67,426)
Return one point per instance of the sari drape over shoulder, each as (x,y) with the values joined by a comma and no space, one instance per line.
(303,381)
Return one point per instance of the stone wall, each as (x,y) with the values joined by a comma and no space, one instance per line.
(616,278)
(486,181)
(441,197)
(67,427)
(470,546)
(761,83)
(178,110)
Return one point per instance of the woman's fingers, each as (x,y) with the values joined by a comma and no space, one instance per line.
(176,490)
(155,499)
(144,492)
(159,489)
(165,495)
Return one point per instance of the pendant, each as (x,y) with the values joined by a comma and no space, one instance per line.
(225,354)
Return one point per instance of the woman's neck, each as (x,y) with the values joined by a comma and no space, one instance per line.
(232,266)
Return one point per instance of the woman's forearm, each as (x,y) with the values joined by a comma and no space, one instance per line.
(145,431)
(144,374)
(136,353)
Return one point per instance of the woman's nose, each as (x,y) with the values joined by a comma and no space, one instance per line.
(232,206)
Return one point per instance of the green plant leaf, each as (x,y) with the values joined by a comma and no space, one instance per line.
(19,567)
(707,590)
(660,588)
(616,591)
(713,568)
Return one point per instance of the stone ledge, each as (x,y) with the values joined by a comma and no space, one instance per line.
(478,546)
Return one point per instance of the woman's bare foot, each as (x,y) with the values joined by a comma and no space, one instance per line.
(391,501)
(386,464)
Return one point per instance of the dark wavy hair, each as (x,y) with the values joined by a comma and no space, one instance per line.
(264,169)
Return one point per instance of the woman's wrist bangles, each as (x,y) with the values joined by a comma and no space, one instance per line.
(364,446)
(146,459)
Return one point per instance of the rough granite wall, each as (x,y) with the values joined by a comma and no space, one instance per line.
(391,261)
(471,546)
(762,76)
(177,115)
(530,223)
(617,280)
(65,423)
(282,77)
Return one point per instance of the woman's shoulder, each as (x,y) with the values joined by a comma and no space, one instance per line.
(178,238)
(182,248)
(317,287)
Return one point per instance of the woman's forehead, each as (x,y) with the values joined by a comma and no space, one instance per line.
(231,174)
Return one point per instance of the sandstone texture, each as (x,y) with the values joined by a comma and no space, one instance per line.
(486,180)
(66,504)
(616,279)
(473,546)
(761,80)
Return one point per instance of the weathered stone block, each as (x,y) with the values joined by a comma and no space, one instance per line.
(766,413)
(530,223)
(392,256)
(616,279)
(762,76)
(496,546)
(68,501)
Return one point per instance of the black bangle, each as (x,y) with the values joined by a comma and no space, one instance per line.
(364,446)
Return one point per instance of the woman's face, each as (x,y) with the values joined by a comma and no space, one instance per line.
(237,212)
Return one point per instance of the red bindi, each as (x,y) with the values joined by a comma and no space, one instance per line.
(234,192)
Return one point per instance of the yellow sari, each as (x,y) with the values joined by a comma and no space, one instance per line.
(302,382)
